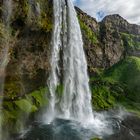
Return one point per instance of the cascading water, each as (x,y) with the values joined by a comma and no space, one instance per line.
(4,46)
(75,101)
(53,80)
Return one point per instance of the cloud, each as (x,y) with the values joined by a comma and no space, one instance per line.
(129,9)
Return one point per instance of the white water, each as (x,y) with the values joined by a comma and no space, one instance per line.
(75,103)
(53,80)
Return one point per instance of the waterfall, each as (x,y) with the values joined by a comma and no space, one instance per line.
(67,51)
(4,45)
(4,50)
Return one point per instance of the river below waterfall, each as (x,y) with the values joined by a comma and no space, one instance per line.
(61,129)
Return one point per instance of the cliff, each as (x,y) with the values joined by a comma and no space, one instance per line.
(108,41)
(27,28)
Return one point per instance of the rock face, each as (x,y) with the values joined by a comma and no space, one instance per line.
(29,33)
(108,41)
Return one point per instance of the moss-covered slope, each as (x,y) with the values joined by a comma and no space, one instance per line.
(127,72)
(119,85)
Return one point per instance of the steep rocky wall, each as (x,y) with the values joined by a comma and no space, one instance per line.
(93,48)
(29,33)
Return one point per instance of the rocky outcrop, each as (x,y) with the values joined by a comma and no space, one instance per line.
(93,48)
(118,23)
(120,38)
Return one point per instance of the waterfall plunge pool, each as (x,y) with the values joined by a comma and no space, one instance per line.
(113,128)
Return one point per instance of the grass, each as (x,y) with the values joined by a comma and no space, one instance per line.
(120,84)
(131,42)
(127,72)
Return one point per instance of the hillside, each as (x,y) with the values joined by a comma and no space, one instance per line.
(127,73)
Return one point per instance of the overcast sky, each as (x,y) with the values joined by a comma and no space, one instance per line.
(129,9)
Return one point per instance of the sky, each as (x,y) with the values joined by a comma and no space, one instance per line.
(128,9)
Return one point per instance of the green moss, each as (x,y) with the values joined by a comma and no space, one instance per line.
(21,10)
(25,8)
(10,116)
(127,72)
(118,85)
(26,106)
(91,36)
(39,97)
(12,89)
(45,21)
(130,41)
(14,112)
(104,94)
